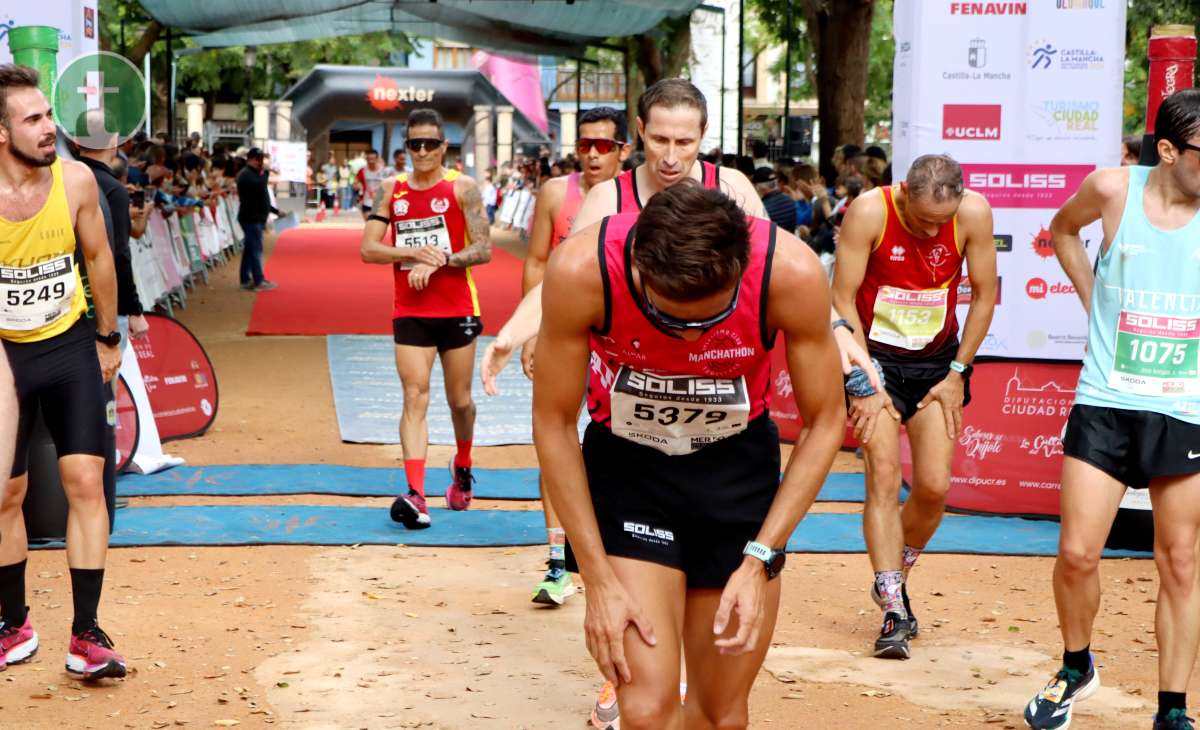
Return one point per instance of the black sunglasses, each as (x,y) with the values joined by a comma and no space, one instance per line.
(423,144)
(602,145)
(676,323)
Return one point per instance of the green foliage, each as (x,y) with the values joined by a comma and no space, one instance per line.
(1142,15)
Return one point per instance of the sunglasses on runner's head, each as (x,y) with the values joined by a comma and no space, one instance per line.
(676,323)
(418,145)
(602,145)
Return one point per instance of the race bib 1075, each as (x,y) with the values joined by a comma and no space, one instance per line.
(1156,355)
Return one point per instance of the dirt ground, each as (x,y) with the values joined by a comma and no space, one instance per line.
(397,637)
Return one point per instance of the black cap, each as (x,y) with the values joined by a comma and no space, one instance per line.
(762,175)
(254,154)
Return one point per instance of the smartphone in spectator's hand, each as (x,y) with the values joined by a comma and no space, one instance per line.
(138,198)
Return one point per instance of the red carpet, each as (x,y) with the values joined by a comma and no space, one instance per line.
(326,289)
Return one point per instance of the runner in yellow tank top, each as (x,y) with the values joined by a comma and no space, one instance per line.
(60,360)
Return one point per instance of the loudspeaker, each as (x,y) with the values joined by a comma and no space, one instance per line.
(798,140)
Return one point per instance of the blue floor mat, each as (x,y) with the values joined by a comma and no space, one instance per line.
(323,525)
(354,481)
(368,397)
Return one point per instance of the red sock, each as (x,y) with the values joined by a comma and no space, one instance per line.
(463,457)
(414,471)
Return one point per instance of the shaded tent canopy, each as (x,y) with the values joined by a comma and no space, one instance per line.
(546,27)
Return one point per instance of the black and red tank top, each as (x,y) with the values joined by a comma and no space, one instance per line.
(651,386)
(432,217)
(908,296)
(630,200)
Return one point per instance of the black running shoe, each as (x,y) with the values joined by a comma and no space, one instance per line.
(410,511)
(893,637)
(1051,708)
(913,628)
(1175,720)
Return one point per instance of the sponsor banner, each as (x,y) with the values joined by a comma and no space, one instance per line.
(126,425)
(179,379)
(74,19)
(1028,97)
(1009,455)
(784,412)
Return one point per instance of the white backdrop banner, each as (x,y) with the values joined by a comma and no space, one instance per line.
(1028,97)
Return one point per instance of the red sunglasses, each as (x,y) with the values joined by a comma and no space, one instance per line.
(602,145)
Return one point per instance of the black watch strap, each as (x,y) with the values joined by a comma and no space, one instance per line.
(112,339)
(842,323)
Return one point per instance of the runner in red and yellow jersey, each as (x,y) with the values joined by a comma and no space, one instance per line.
(441,230)
(601,146)
(899,263)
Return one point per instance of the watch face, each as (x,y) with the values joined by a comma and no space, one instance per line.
(775,567)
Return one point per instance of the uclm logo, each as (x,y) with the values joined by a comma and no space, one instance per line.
(971,121)
(1025,186)
(988,8)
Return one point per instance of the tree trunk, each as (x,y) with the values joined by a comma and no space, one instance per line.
(655,59)
(145,43)
(840,31)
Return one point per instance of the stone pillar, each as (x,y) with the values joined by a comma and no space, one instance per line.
(566,131)
(283,121)
(504,134)
(262,122)
(195,115)
(483,140)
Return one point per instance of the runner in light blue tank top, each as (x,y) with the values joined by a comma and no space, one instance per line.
(1144,335)
(1136,418)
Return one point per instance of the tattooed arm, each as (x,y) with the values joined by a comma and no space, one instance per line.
(478,232)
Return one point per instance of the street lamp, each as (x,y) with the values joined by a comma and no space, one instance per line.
(251,57)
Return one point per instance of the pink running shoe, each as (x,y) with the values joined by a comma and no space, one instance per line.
(92,657)
(17,644)
(410,511)
(458,494)
(605,713)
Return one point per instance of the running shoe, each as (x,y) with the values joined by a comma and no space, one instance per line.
(555,588)
(913,629)
(605,714)
(17,644)
(410,511)
(458,494)
(92,656)
(1051,708)
(1175,720)
(893,637)
(265,285)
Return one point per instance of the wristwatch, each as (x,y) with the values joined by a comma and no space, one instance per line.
(842,323)
(112,339)
(773,560)
(961,369)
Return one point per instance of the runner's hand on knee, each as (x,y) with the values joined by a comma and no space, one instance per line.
(610,610)
(745,594)
(865,412)
(949,394)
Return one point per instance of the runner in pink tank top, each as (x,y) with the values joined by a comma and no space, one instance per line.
(674,504)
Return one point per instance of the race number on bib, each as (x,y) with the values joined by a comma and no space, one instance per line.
(422,232)
(908,319)
(34,296)
(677,414)
(1156,355)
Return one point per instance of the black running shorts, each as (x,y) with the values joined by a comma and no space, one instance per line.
(61,376)
(444,333)
(694,512)
(1133,447)
(909,382)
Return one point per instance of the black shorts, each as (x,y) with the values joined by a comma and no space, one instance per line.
(909,382)
(61,376)
(694,512)
(444,333)
(1133,447)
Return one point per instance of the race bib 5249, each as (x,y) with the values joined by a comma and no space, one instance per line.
(32,297)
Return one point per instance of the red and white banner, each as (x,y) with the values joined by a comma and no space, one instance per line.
(179,379)
(1009,455)
(1028,97)
(126,426)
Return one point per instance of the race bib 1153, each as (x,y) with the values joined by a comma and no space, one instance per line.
(908,319)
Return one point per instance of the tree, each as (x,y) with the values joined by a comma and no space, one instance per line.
(660,53)
(835,43)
